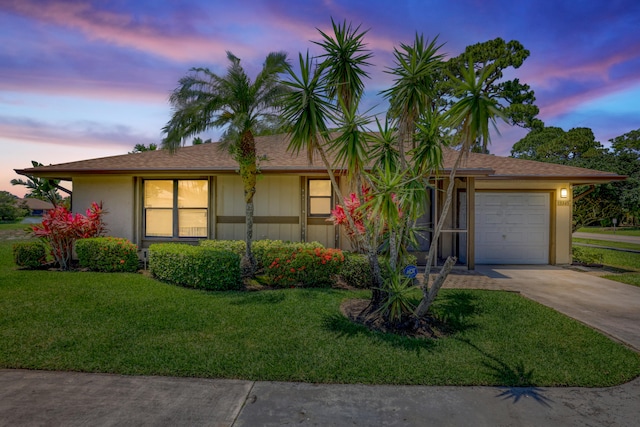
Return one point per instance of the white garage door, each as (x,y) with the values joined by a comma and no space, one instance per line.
(512,228)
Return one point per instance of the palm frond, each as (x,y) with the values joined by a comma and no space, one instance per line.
(306,107)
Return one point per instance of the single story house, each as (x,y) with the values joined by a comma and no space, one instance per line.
(37,207)
(506,210)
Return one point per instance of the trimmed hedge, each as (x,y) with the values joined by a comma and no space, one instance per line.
(356,271)
(108,254)
(295,265)
(198,267)
(261,248)
(29,254)
(236,246)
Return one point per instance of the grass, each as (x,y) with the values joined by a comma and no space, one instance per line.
(621,245)
(628,278)
(132,324)
(624,231)
(617,259)
(613,258)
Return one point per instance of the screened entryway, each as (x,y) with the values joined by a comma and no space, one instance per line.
(454,234)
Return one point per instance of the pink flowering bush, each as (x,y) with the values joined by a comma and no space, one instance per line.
(299,266)
(108,254)
(361,213)
(61,228)
(352,205)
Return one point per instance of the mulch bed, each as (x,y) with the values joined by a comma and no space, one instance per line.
(361,312)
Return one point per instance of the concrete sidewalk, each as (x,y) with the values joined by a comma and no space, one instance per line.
(29,398)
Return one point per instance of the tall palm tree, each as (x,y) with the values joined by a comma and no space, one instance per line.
(330,92)
(413,91)
(205,100)
(471,114)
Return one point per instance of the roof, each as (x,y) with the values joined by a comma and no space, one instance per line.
(209,158)
(37,204)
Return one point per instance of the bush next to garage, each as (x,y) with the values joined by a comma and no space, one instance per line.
(198,267)
(29,254)
(297,266)
(107,254)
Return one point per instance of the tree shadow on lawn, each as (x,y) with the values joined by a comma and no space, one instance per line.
(517,380)
(342,326)
(453,313)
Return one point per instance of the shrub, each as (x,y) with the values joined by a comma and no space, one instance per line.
(261,248)
(60,229)
(107,254)
(236,246)
(29,254)
(356,270)
(195,266)
(584,256)
(294,265)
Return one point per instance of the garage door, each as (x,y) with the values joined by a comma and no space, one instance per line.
(512,228)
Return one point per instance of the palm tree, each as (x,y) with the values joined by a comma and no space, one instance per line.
(205,100)
(413,91)
(42,188)
(330,92)
(471,115)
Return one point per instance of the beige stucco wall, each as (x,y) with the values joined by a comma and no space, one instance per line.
(117,196)
(276,196)
(561,210)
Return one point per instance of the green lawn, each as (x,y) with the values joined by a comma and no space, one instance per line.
(616,259)
(132,324)
(628,278)
(613,258)
(625,231)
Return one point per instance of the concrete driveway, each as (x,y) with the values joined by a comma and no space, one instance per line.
(610,307)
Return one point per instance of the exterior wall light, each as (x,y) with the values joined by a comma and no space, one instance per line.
(564,193)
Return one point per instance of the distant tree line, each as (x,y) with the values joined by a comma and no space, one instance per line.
(593,204)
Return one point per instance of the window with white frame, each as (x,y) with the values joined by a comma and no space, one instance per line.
(176,207)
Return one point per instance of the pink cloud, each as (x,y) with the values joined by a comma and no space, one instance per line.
(72,86)
(119,29)
(71,135)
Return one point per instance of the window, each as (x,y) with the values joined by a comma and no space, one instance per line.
(176,208)
(320,197)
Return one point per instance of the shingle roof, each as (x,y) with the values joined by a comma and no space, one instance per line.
(209,158)
(37,204)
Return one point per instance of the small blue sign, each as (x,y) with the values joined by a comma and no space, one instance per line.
(410,271)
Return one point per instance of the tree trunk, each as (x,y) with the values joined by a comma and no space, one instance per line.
(426,302)
(248,263)
(378,294)
(248,173)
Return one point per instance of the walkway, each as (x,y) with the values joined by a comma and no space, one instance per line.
(608,306)
(30,398)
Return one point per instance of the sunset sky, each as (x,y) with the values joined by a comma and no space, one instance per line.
(81,79)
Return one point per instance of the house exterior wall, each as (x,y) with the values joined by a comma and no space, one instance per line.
(276,208)
(560,216)
(280,208)
(117,196)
